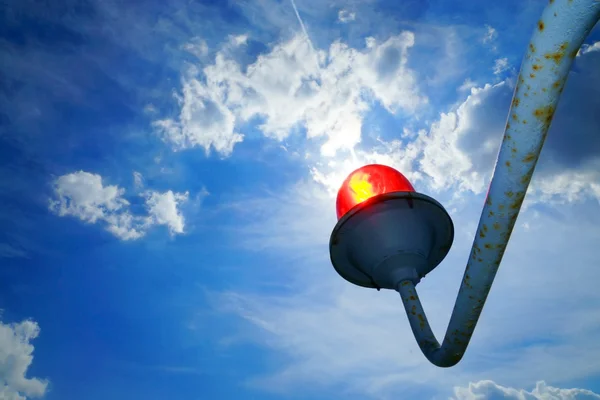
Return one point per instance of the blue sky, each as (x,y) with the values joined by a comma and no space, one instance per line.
(168,177)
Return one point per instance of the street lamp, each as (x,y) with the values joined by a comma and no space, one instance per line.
(386,232)
(389,237)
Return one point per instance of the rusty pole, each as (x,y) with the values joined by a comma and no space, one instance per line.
(558,35)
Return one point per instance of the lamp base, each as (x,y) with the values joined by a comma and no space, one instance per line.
(391,237)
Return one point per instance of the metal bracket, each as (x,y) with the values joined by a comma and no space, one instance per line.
(558,35)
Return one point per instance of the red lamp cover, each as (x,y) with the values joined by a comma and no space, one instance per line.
(369,181)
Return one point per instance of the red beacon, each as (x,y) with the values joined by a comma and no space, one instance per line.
(387,232)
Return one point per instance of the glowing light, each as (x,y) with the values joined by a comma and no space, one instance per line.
(367,182)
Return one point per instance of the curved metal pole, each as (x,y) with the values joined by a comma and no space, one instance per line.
(558,36)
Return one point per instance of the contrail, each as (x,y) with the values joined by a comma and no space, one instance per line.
(302,25)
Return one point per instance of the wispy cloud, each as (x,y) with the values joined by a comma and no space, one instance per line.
(346,16)
(500,65)
(302,25)
(490,34)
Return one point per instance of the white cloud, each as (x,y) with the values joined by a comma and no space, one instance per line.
(467,85)
(83,195)
(346,16)
(588,48)
(162,209)
(293,86)
(203,121)
(138,180)
(573,185)
(238,40)
(150,109)
(489,390)
(490,34)
(500,65)
(16,356)
(197,46)
(460,146)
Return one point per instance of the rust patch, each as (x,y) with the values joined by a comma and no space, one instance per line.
(405,283)
(491,214)
(488,201)
(413,298)
(488,246)
(496,226)
(557,56)
(501,207)
(541,25)
(557,84)
(537,67)
(532,75)
(485,228)
(524,121)
(509,194)
(481,234)
(516,102)
(527,177)
(516,205)
(532,47)
(480,259)
(513,150)
(529,157)
(544,114)
(544,90)
(514,117)
(507,163)
(526,94)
